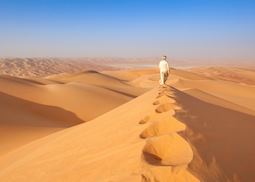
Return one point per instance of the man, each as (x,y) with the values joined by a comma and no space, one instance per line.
(164,70)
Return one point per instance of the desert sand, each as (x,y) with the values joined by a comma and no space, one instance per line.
(42,105)
(122,126)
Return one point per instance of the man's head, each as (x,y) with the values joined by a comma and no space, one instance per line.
(164,57)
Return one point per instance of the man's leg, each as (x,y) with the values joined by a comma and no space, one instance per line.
(165,77)
(162,78)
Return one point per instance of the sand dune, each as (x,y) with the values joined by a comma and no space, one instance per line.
(204,96)
(88,147)
(86,95)
(101,80)
(23,121)
(199,128)
(222,138)
(130,75)
(234,74)
(73,92)
(242,95)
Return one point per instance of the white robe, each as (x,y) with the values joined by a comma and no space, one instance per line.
(164,70)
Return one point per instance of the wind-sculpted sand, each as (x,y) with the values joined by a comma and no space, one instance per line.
(163,126)
(29,112)
(122,126)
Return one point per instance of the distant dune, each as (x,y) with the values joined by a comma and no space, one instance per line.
(234,74)
(38,67)
(119,125)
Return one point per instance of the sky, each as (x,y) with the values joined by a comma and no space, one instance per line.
(182,29)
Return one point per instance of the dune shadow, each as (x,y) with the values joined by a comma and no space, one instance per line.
(120,92)
(19,112)
(225,137)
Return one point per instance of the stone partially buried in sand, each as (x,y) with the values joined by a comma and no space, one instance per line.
(163,127)
(170,150)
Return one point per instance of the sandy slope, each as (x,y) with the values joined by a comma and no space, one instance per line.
(222,138)
(242,95)
(237,93)
(84,95)
(109,144)
(22,121)
(73,92)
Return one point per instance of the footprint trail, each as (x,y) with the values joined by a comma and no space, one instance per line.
(166,155)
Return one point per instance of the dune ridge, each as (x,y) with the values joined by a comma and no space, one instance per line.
(166,154)
(92,88)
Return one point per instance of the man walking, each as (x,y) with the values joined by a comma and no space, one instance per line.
(164,70)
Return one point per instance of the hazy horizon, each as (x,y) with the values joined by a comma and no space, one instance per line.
(203,31)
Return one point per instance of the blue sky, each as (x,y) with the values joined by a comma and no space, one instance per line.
(184,29)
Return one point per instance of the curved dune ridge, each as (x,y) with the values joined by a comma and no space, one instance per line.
(35,107)
(165,149)
(73,92)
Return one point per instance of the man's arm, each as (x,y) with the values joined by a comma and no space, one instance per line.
(168,70)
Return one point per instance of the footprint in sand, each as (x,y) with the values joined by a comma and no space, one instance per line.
(168,150)
(156,102)
(144,120)
(165,107)
(168,94)
(163,100)
(159,95)
(156,117)
(163,127)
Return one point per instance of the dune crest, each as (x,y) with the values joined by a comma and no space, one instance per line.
(165,150)
(162,127)
(168,150)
